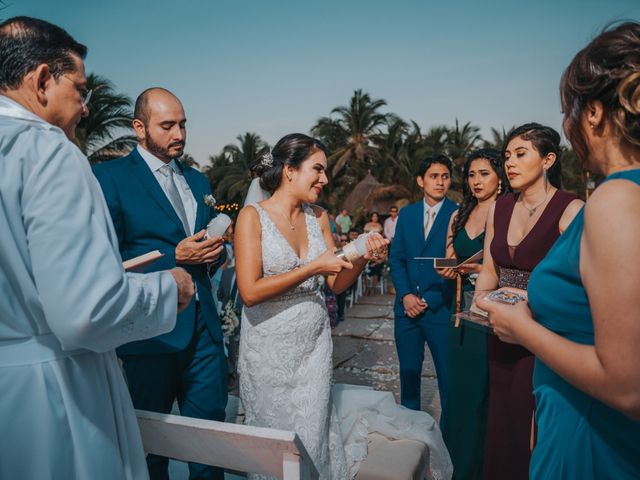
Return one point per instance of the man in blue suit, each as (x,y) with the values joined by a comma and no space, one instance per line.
(422,296)
(157,203)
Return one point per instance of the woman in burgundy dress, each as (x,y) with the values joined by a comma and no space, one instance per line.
(521,228)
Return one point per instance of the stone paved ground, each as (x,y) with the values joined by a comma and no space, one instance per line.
(364,352)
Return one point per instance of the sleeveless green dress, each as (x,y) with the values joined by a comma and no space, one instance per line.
(464,416)
(579,437)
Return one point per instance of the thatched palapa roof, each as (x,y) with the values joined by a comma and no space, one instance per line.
(370,195)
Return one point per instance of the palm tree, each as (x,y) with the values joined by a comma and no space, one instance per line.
(499,138)
(406,147)
(106,132)
(435,140)
(188,160)
(228,172)
(461,141)
(390,146)
(352,133)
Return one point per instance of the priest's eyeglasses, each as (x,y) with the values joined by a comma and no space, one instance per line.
(85,95)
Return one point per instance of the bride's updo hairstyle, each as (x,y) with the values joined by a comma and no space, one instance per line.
(545,140)
(292,150)
(606,70)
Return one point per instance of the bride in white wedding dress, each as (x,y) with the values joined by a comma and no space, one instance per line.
(283,245)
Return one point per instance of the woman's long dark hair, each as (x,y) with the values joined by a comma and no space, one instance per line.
(468,200)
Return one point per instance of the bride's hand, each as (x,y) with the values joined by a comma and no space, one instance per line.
(377,247)
(329,264)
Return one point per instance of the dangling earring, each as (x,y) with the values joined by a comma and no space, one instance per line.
(288,177)
(546,179)
(499,187)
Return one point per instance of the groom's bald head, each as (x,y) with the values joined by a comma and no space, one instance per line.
(147,99)
(160,124)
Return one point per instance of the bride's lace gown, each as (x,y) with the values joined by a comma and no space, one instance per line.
(285,354)
(285,368)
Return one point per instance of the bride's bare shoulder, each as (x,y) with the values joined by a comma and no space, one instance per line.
(248,214)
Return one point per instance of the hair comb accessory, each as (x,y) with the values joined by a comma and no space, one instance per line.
(267,160)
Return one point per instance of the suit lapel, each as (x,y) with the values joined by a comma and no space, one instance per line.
(148,181)
(198,193)
(418,221)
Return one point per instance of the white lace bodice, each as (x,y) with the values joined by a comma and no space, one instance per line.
(279,257)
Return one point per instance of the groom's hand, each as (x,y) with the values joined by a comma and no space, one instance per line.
(193,251)
(413,305)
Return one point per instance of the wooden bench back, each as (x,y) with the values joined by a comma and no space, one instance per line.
(236,447)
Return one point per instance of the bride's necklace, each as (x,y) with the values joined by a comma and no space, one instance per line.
(534,209)
(288,220)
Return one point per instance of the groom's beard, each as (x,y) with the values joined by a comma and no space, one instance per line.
(174,150)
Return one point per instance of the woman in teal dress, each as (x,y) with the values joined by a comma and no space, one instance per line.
(584,294)
(465,413)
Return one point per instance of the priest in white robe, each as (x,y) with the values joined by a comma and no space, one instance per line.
(65,300)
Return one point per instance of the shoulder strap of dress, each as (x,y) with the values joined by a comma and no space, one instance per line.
(547,225)
(309,212)
(502,215)
(630,175)
(562,199)
(261,212)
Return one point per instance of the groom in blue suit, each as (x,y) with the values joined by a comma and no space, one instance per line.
(157,203)
(422,296)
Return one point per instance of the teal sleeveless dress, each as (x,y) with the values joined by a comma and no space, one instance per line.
(579,437)
(464,424)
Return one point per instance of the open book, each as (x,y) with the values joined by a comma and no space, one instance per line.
(453,262)
(135,264)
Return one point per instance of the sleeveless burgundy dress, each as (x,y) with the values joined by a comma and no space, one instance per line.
(511,402)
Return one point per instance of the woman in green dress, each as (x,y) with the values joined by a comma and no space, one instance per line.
(465,413)
(583,324)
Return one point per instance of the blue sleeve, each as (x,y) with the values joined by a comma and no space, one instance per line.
(435,300)
(112,197)
(398,261)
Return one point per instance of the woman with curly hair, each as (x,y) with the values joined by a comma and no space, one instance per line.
(465,412)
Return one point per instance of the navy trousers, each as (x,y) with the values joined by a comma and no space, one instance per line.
(196,377)
(411,335)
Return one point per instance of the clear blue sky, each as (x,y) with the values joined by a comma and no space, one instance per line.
(274,67)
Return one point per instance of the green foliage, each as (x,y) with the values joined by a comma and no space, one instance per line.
(188,160)
(498,140)
(106,133)
(228,172)
(351,133)
(361,139)
(574,176)
(460,141)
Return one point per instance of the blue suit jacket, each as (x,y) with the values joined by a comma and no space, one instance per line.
(144,221)
(419,276)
